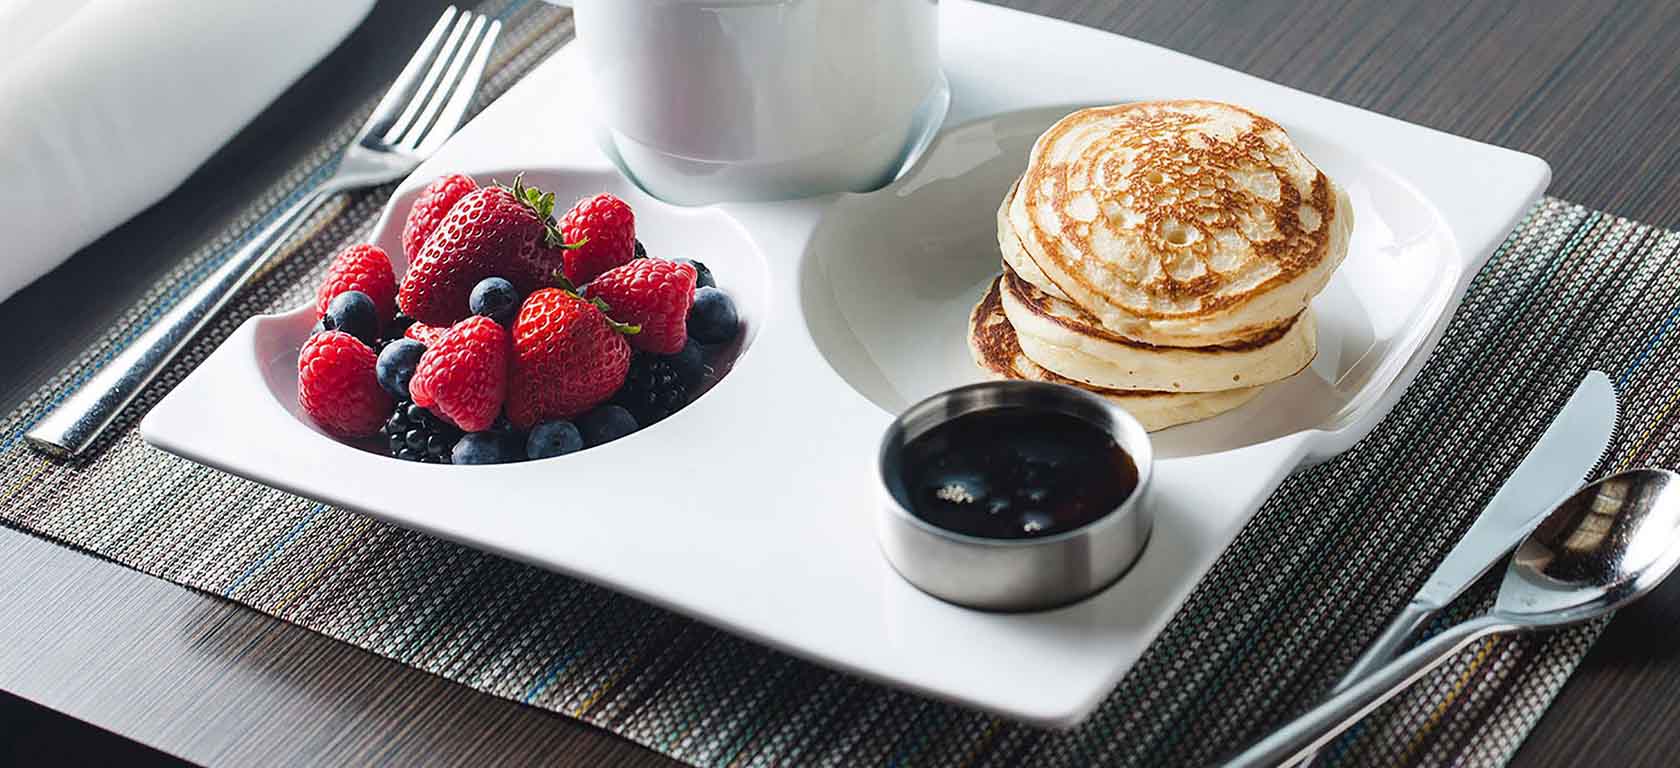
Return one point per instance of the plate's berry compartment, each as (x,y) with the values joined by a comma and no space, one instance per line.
(517,331)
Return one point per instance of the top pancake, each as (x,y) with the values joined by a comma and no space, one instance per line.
(1015,255)
(1179,223)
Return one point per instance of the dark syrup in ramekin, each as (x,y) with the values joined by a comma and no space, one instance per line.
(1016,473)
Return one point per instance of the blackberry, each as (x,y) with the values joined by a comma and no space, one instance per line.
(413,433)
(653,389)
(690,363)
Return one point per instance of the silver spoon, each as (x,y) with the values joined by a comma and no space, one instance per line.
(1604,547)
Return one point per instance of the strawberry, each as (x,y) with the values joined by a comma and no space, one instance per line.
(363,268)
(425,334)
(497,231)
(654,294)
(568,357)
(430,207)
(337,386)
(604,230)
(463,377)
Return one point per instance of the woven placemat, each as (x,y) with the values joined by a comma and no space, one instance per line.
(1335,552)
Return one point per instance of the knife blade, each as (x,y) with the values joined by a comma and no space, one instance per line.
(1569,448)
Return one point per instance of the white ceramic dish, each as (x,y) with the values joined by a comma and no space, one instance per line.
(751,509)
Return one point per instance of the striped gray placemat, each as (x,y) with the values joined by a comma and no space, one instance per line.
(1333,553)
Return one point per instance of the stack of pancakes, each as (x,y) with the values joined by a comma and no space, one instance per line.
(1162,254)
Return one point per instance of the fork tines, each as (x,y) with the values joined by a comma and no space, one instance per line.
(437,85)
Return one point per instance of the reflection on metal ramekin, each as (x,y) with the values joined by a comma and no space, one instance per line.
(1012,574)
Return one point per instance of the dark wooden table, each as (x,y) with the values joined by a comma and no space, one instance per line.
(1590,85)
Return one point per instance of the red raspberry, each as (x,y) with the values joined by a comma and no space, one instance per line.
(364,268)
(654,294)
(606,227)
(425,334)
(337,385)
(463,377)
(567,358)
(429,209)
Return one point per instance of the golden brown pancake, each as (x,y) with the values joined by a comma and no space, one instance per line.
(1015,258)
(1059,336)
(1179,223)
(996,349)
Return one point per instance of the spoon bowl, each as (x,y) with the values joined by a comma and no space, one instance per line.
(1606,545)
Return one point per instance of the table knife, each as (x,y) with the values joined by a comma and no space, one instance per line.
(1571,446)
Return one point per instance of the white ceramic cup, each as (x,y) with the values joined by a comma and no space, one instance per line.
(714,100)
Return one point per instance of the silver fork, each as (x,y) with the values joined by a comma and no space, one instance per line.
(416,116)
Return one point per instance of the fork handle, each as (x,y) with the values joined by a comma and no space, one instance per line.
(79,419)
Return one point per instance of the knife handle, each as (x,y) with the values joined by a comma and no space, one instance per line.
(1389,644)
(74,424)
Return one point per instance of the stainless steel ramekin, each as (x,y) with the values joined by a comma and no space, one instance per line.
(1012,574)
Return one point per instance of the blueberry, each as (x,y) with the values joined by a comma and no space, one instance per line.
(690,364)
(641,253)
(606,424)
(713,319)
(706,280)
(553,438)
(484,448)
(494,298)
(353,312)
(396,366)
(320,326)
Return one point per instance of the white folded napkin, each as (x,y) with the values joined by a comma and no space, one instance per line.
(107,105)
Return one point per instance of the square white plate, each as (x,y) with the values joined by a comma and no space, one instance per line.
(752,508)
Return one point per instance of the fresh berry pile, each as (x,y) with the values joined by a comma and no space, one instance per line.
(514,334)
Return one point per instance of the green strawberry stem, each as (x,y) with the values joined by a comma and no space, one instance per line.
(628,329)
(565,284)
(542,204)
